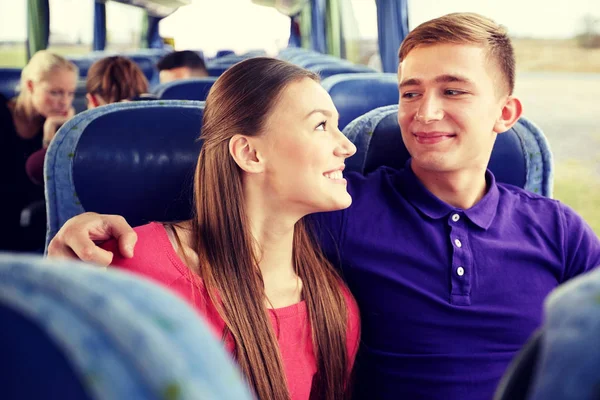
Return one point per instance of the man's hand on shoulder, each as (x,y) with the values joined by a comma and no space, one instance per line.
(79,238)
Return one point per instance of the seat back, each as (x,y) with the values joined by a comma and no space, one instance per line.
(73,331)
(9,81)
(568,367)
(357,94)
(134,159)
(148,66)
(520,157)
(185,89)
(223,53)
(325,71)
(516,382)
(216,70)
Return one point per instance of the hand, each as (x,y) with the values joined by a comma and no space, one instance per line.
(52,123)
(76,238)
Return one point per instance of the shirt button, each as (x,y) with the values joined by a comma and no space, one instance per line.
(460,271)
(457,243)
(455,217)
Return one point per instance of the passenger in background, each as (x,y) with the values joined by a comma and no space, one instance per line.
(114,79)
(109,80)
(46,93)
(181,65)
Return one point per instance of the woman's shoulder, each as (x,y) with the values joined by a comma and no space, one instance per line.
(152,253)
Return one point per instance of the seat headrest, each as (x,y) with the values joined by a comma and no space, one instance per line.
(568,367)
(9,80)
(133,159)
(376,90)
(216,70)
(74,331)
(185,89)
(325,71)
(520,157)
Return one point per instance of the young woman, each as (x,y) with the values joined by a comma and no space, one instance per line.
(109,80)
(46,93)
(271,154)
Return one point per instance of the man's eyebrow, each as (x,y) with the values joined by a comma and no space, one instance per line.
(446,78)
(410,82)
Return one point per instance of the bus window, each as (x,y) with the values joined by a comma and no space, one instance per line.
(13,33)
(123,27)
(241,26)
(359,28)
(68,35)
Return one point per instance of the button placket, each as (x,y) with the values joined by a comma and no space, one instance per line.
(460,276)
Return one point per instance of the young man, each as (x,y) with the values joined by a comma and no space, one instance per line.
(449,267)
(181,65)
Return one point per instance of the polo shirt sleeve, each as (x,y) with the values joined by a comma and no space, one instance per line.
(581,244)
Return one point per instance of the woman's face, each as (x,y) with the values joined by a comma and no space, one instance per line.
(54,95)
(304,151)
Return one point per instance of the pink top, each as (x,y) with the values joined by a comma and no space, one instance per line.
(156,258)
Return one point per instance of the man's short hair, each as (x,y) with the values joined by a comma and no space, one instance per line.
(178,59)
(466,28)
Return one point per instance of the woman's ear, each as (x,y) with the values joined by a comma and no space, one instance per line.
(29,86)
(91,101)
(245,155)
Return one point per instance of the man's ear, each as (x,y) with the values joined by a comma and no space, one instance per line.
(511,112)
(245,154)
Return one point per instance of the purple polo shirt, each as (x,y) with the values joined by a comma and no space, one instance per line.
(448,296)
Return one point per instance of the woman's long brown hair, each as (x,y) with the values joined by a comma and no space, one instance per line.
(116,78)
(239,103)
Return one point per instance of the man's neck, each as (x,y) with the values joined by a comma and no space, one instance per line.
(461,189)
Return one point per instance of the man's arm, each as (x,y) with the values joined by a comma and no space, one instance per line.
(581,245)
(78,236)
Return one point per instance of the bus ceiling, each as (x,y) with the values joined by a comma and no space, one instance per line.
(157,8)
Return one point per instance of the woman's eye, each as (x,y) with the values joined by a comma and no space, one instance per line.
(322,126)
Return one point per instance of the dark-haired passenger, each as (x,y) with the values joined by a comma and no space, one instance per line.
(181,65)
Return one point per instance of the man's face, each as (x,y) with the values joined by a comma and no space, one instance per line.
(451,98)
(169,75)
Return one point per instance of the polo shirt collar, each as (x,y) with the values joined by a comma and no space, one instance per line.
(481,214)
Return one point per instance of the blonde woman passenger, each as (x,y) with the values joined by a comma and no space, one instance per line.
(29,120)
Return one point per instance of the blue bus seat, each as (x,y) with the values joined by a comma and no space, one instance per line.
(516,382)
(325,71)
(216,70)
(73,331)
(83,63)
(565,364)
(316,63)
(357,94)
(185,89)
(135,159)
(148,66)
(9,81)
(520,157)
(224,52)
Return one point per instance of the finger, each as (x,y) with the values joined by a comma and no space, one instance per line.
(124,234)
(85,249)
(59,248)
